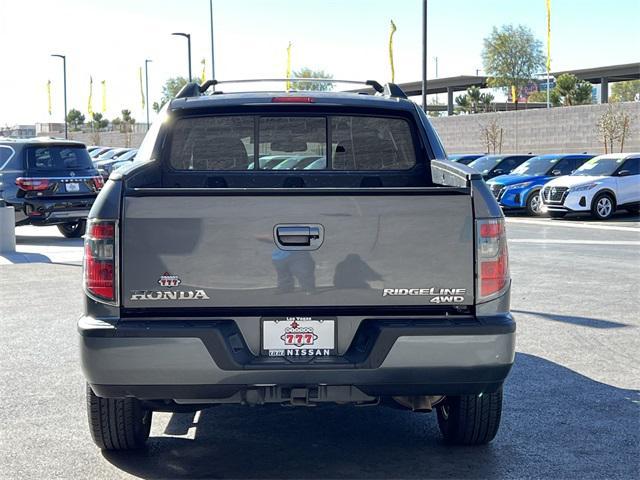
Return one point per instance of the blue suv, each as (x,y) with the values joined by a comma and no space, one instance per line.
(520,189)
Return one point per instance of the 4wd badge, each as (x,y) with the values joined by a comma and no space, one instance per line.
(168,280)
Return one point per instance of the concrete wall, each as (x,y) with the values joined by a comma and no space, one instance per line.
(555,130)
(108,139)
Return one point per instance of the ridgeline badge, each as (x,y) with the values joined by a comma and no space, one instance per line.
(168,280)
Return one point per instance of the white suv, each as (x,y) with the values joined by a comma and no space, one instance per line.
(601,185)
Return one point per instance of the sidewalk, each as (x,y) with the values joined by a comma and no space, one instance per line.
(43,245)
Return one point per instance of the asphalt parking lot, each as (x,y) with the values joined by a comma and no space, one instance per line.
(572,408)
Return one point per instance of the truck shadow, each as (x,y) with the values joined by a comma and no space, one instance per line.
(573,320)
(556,423)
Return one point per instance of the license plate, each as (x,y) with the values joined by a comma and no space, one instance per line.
(298,337)
(72,187)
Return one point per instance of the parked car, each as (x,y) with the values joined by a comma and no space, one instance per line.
(600,186)
(106,166)
(48,182)
(111,154)
(212,279)
(96,152)
(465,158)
(520,189)
(494,165)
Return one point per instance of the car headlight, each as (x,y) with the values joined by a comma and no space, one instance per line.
(583,188)
(520,185)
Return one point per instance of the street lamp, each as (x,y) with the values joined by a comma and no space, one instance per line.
(188,37)
(213,68)
(424,55)
(146,81)
(64,73)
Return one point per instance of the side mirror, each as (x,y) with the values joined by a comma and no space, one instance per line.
(624,173)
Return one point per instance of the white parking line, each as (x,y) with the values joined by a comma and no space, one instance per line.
(561,223)
(629,243)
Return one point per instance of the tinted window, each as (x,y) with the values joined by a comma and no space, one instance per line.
(485,164)
(565,166)
(371,143)
(510,163)
(632,165)
(287,141)
(5,154)
(58,157)
(599,167)
(538,165)
(291,143)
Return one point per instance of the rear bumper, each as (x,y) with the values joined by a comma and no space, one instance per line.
(36,211)
(208,359)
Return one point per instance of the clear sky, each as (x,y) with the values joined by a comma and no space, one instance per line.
(109,40)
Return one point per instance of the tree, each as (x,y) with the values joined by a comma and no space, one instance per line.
(75,118)
(474,101)
(127,126)
(170,89)
(491,136)
(572,91)
(613,126)
(511,57)
(98,122)
(625,91)
(306,72)
(541,97)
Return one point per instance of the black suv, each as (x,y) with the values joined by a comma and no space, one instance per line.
(49,182)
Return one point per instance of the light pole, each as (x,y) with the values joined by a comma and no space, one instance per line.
(424,55)
(188,37)
(213,65)
(64,73)
(146,81)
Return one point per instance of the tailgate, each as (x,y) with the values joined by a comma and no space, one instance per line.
(393,249)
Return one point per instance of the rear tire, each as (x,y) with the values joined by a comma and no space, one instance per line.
(470,419)
(603,206)
(534,204)
(553,214)
(73,229)
(117,423)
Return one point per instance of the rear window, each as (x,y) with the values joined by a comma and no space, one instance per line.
(292,143)
(58,157)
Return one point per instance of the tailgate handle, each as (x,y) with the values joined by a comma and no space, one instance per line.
(298,237)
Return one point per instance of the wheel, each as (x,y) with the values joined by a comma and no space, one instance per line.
(554,214)
(117,423)
(73,229)
(470,419)
(603,206)
(534,204)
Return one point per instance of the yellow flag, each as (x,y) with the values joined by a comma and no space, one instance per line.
(104,96)
(49,96)
(141,89)
(288,74)
(393,71)
(548,35)
(203,76)
(90,106)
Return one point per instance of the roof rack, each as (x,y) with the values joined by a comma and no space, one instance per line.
(194,89)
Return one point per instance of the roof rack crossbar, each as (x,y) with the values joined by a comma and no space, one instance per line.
(193,89)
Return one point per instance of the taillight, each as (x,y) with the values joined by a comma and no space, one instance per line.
(32,184)
(98,181)
(100,260)
(493,258)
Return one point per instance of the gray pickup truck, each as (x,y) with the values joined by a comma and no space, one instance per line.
(294,248)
